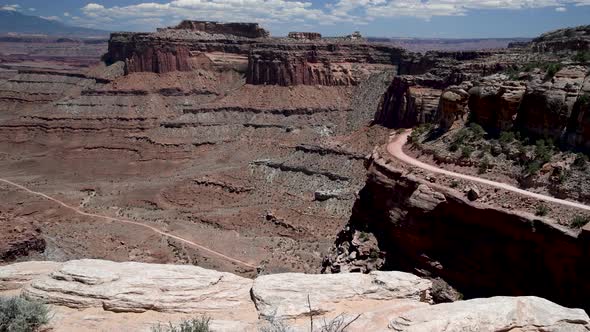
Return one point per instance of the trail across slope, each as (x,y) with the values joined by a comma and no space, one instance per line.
(395,148)
(93,215)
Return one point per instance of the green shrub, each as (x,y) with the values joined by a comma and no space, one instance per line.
(582,57)
(552,69)
(191,325)
(581,161)
(21,315)
(477,130)
(507,137)
(579,221)
(533,167)
(584,99)
(454,184)
(466,152)
(484,165)
(542,210)
(364,237)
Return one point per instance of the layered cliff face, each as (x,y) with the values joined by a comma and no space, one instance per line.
(275,61)
(482,251)
(414,99)
(495,102)
(569,39)
(90,295)
(247,30)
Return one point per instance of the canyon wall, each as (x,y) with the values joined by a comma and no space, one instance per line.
(272,61)
(481,251)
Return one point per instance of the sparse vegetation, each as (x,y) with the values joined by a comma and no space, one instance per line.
(364,237)
(551,70)
(466,152)
(484,165)
(542,210)
(579,221)
(582,56)
(584,99)
(192,325)
(340,323)
(581,161)
(454,184)
(21,315)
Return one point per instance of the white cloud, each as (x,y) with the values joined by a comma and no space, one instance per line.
(32,9)
(149,15)
(10,7)
(51,18)
(561,9)
(66,14)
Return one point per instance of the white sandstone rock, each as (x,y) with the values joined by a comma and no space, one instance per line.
(286,295)
(531,314)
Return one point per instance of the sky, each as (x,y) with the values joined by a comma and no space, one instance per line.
(378,18)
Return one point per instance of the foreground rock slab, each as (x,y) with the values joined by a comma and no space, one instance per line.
(97,295)
(138,287)
(493,314)
(286,295)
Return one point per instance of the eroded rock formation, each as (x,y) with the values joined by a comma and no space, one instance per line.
(419,226)
(109,295)
(248,30)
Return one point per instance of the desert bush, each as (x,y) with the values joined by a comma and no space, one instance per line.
(484,165)
(542,210)
(579,221)
(466,152)
(507,137)
(454,184)
(18,314)
(192,325)
(584,99)
(477,130)
(552,69)
(582,56)
(581,161)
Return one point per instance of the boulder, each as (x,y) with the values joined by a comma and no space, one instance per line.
(138,287)
(285,296)
(493,314)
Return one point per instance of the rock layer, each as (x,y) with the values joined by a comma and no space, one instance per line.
(114,296)
(421,227)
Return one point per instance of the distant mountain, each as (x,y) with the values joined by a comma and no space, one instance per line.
(14,22)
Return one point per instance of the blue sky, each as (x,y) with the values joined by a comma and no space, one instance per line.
(387,18)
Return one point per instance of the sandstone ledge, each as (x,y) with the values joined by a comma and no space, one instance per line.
(92,295)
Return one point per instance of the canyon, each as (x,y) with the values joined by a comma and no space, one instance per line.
(233,162)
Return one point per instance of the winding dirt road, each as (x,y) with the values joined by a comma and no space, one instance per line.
(395,148)
(125,221)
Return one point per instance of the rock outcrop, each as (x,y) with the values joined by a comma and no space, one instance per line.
(134,297)
(494,314)
(568,39)
(247,30)
(119,287)
(419,226)
(286,295)
(494,102)
(547,105)
(407,103)
(304,35)
(304,58)
(453,103)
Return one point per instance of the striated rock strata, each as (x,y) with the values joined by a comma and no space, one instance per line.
(482,251)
